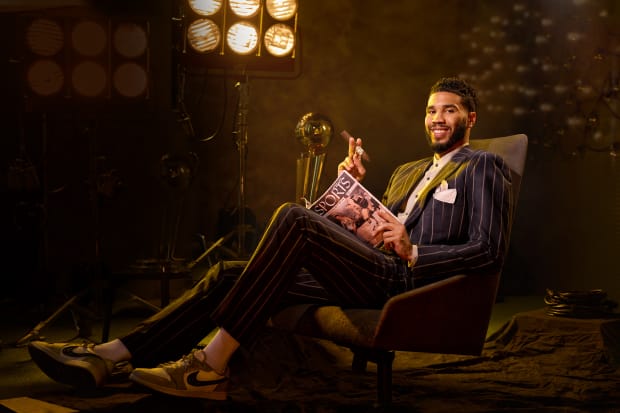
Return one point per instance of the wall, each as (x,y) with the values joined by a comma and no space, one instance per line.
(368,68)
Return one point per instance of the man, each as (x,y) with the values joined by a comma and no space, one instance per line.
(453,214)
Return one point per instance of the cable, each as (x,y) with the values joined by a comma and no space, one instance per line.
(579,304)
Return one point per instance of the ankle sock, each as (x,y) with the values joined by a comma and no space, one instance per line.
(113,350)
(220,349)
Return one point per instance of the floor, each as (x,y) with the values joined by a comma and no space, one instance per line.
(21,383)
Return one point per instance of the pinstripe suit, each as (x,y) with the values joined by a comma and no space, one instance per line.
(466,236)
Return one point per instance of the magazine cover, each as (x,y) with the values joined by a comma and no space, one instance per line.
(348,203)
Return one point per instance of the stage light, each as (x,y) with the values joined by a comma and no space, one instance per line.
(89,38)
(279,40)
(89,79)
(242,38)
(130,77)
(45,77)
(246,35)
(89,42)
(130,80)
(85,57)
(281,9)
(130,40)
(203,35)
(205,7)
(44,37)
(245,8)
(130,59)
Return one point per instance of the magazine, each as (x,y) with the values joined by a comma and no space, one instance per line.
(348,203)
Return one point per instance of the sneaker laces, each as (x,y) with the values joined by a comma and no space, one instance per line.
(186,362)
(86,347)
(190,360)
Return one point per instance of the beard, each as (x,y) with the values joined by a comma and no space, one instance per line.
(457,136)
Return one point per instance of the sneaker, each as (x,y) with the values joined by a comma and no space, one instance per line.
(189,377)
(73,364)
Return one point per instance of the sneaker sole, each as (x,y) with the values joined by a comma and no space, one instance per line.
(64,373)
(213,395)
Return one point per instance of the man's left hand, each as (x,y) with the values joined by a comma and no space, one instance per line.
(395,236)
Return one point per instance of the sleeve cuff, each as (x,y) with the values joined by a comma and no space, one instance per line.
(414,256)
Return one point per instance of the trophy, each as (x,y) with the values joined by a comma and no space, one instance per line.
(314,131)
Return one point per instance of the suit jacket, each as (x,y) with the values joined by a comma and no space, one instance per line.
(464,235)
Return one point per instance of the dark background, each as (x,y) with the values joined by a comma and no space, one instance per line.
(545,68)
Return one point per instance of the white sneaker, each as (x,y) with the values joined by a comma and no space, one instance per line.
(190,376)
(73,364)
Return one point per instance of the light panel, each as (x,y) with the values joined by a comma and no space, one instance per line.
(86,58)
(248,34)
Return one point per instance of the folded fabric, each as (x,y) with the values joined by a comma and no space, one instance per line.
(445,194)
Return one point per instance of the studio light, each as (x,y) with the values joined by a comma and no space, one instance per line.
(204,35)
(205,7)
(248,34)
(245,8)
(45,77)
(242,38)
(89,79)
(279,40)
(89,42)
(44,39)
(130,77)
(89,38)
(85,58)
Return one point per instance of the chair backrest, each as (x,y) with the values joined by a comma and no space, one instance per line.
(450,316)
(513,149)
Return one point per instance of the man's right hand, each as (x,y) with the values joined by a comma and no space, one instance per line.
(353,162)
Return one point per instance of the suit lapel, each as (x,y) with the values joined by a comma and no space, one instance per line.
(450,169)
(408,181)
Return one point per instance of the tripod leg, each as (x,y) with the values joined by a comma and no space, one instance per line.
(35,332)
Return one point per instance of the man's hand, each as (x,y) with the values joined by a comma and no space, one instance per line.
(353,162)
(395,236)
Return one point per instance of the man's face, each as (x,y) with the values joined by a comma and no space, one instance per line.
(447,122)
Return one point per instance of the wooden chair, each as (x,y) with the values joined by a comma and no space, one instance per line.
(448,317)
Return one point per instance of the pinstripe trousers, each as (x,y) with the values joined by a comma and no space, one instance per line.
(342,270)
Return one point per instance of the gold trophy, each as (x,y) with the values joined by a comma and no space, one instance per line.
(314,131)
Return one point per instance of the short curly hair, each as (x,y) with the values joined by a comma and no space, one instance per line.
(458,87)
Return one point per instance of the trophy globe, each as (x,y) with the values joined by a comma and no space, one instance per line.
(314,131)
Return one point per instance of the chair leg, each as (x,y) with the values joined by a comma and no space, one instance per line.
(109,293)
(384,360)
(360,362)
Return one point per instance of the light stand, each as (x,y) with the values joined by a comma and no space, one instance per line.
(241,139)
(96,184)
